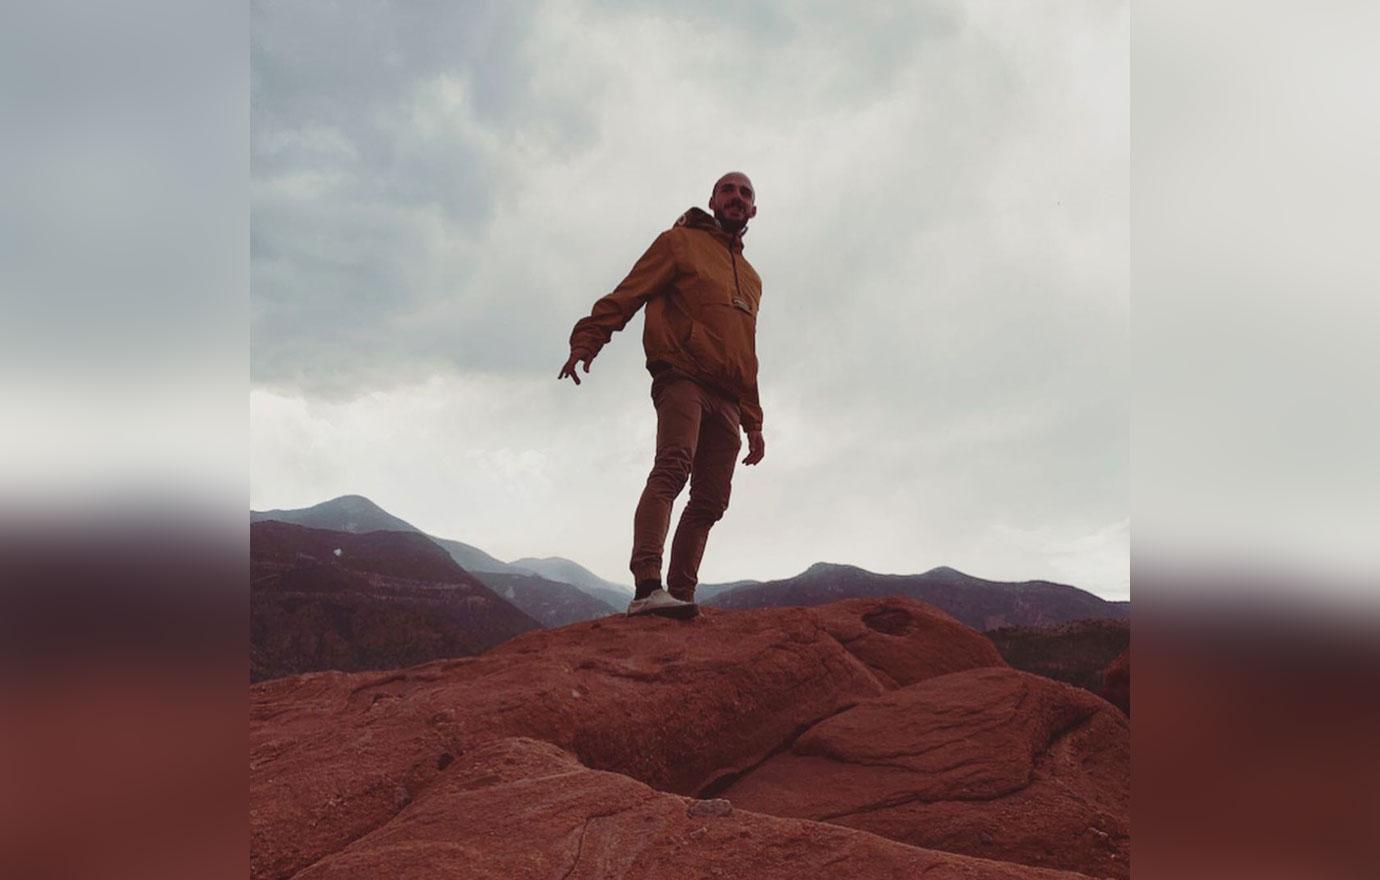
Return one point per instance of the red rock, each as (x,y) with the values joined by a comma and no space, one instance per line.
(1116,682)
(682,707)
(519,808)
(903,641)
(989,762)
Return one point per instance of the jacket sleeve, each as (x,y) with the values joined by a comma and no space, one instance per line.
(653,272)
(750,409)
(749,406)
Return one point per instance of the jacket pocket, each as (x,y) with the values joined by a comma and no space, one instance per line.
(705,350)
(722,346)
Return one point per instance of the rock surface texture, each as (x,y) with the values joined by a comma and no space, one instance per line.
(989,762)
(1116,681)
(521,809)
(635,747)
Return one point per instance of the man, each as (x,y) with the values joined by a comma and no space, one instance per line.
(700,340)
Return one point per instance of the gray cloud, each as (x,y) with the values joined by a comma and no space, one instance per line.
(384,138)
(439,192)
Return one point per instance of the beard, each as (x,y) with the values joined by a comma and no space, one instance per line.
(730,224)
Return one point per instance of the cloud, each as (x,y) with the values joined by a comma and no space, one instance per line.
(441,191)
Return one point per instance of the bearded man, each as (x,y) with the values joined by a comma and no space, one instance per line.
(700,338)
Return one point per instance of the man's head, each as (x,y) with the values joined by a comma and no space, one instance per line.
(733,201)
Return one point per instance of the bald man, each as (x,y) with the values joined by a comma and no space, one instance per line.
(700,339)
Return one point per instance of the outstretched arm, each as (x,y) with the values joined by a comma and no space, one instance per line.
(652,273)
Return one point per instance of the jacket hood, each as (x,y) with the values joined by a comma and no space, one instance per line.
(698,218)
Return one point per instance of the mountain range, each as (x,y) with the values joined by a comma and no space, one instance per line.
(556,568)
(387,566)
(979,603)
(355,513)
(322,599)
(554,591)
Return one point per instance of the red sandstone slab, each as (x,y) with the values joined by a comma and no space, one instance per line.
(674,705)
(988,762)
(520,809)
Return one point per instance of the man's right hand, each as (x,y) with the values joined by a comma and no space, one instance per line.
(569,368)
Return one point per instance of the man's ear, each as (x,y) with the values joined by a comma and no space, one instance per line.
(753,212)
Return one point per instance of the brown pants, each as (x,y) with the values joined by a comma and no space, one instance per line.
(697,439)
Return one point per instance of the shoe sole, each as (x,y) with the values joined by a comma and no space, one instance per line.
(681,612)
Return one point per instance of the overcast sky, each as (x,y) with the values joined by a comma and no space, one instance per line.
(440,190)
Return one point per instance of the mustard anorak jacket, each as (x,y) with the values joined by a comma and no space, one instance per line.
(702,298)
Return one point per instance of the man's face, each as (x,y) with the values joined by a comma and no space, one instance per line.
(734,202)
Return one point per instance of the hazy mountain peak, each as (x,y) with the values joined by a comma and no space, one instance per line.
(946,570)
(571,572)
(835,568)
(353,504)
(351,500)
(346,513)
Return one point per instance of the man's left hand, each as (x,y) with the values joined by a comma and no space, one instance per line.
(757,447)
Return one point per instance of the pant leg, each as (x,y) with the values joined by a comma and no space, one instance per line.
(679,412)
(711,480)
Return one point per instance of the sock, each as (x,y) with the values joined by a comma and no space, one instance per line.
(646,588)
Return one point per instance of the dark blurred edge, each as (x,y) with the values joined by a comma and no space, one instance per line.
(123,609)
(1257,724)
(123,637)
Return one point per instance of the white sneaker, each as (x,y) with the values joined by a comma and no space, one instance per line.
(661,602)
